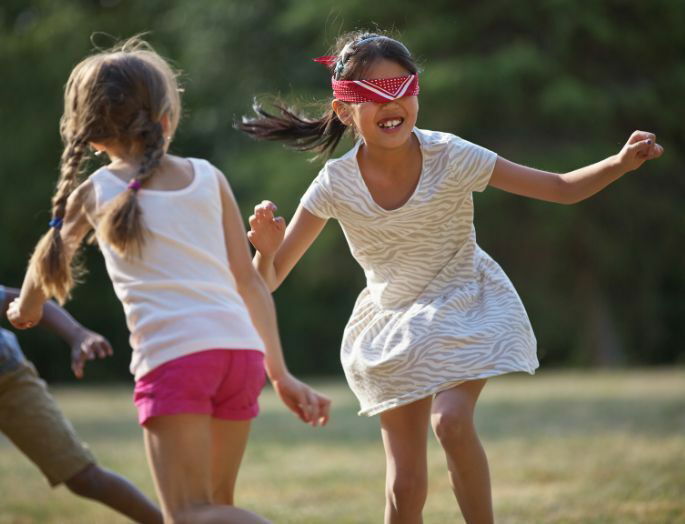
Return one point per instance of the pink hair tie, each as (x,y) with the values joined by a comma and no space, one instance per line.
(134,185)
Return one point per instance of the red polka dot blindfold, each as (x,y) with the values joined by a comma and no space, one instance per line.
(380,90)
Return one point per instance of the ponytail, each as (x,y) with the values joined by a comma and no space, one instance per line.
(354,53)
(121,224)
(297,132)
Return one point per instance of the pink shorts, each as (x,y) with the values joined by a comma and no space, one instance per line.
(223,383)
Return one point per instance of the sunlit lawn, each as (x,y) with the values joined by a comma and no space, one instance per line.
(599,447)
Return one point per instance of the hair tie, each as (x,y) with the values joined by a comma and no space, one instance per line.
(327,60)
(134,184)
(56,223)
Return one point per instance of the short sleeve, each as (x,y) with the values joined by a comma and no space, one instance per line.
(473,164)
(317,199)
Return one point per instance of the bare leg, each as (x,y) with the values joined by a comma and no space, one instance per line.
(229,439)
(405,435)
(107,487)
(452,421)
(179,450)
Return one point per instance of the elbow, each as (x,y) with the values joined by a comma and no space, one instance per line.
(566,192)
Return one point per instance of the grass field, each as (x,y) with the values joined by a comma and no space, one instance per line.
(564,447)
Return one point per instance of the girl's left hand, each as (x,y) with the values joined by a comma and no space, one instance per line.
(310,406)
(641,146)
(21,317)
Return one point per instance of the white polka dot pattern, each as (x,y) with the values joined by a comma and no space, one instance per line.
(381,90)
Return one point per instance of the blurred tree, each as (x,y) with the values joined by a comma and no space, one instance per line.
(550,83)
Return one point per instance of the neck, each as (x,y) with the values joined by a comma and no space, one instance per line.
(390,160)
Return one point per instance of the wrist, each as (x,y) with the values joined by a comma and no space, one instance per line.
(265,259)
(615,165)
(75,333)
(277,374)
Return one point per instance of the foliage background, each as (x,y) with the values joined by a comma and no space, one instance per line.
(550,83)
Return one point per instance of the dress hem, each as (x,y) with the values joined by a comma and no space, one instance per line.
(433,390)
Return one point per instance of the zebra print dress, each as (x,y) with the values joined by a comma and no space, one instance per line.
(437,310)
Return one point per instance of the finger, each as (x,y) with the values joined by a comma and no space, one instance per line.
(100,350)
(656,151)
(265,211)
(305,406)
(269,205)
(639,136)
(279,222)
(265,204)
(298,408)
(313,402)
(295,402)
(640,148)
(324,409)
(77,368)
(104,349)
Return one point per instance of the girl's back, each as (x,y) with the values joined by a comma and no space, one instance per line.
(180,294)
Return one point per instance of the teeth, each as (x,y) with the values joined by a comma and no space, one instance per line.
(391,123)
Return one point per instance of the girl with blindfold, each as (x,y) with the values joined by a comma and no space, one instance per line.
(438,316)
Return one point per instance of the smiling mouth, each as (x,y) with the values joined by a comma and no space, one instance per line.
(390,123)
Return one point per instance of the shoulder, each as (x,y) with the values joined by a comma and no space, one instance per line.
(84,197)
(214,176)
(338,169)
(436,139)
(205,171)
(439,140)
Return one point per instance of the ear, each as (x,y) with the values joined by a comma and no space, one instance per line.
(342,110)
(98,148)
(165,123)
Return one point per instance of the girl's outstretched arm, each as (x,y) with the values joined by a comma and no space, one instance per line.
(26,310)
(276,256)
(306,403)
(574,186)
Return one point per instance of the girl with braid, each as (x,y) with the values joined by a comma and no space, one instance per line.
(438,316)
(202,322)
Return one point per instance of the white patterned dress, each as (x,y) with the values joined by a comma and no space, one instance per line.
(437,310)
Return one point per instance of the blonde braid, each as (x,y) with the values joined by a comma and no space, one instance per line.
(122,224)
(55,274)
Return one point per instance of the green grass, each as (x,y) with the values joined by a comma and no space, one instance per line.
(564,447)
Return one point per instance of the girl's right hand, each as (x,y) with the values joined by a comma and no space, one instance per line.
(309,405)
(266,231)
(22,317)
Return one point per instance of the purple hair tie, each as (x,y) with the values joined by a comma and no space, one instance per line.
(134,185)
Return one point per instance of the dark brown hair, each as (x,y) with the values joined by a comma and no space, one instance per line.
(356,52)
(115,96)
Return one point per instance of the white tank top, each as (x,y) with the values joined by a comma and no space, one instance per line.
(180,297)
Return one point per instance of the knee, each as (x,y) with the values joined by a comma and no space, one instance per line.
(453,426)
(87,482)
(406,491)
